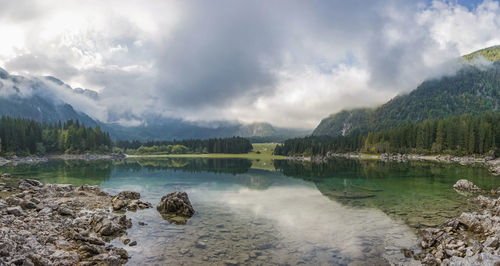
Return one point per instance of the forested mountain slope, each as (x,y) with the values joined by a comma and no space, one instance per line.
(472,90)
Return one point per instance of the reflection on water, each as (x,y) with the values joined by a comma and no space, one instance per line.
(223,165)
(340,212)
(420,194)
(74,172)
(287,222)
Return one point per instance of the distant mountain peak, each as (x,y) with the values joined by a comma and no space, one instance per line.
(55,80)
(3,73)
(257,129)
(491,53)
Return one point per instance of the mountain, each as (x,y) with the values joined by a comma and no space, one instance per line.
(169,129)
(257,130)
(39,98)
(17,100)
(474,89)
(340,124)
(491,53)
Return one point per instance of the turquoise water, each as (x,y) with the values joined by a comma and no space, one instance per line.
(337,213)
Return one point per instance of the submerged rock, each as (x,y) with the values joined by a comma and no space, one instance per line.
(176,207)
(466,185)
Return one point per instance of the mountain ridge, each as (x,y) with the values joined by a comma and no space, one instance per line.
(32,98)
(472,89)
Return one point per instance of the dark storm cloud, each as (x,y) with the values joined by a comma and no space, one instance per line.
(222,50)
(227,51)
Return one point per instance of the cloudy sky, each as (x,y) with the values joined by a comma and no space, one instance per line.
(290,63)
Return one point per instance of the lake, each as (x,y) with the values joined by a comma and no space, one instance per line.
(344,212)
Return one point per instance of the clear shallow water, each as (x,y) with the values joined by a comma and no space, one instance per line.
(342,212)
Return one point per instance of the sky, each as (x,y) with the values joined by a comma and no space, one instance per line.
(289,63)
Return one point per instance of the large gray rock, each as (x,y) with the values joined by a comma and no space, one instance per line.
(5,176)
(128,200)
(477,223)
(466,185)
(28,184)
(16,211)
(106,224)
(176,207)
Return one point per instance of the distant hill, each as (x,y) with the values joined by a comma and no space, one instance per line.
(472,90)
(257,130)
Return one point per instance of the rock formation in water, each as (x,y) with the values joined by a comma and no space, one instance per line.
(52,224)
(466,185)
(129,200)
(175,207)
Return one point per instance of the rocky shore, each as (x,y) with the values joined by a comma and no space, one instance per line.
(471,239)
(88,157)
(16,160)
(53,224)
(492,163)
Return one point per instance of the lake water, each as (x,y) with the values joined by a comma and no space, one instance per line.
(344,212)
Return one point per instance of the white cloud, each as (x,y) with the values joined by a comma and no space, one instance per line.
(288,63)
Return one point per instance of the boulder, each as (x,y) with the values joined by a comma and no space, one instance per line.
(27,204)
(16,211)
(175,205)
(107,224)
(474,222)
(65,211)
(27,184)
(128,200)
(466,185)
(5,176)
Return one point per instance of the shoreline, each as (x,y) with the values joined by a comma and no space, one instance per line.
(15,160)
(493,164)
(473,238)
(58,224)
(208,155)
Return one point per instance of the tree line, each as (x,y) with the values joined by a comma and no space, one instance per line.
(28,137)
(458,135)
(232,145)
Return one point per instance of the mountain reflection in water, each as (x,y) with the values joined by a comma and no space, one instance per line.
(339,212)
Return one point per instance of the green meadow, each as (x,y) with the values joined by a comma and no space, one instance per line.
(261,156)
